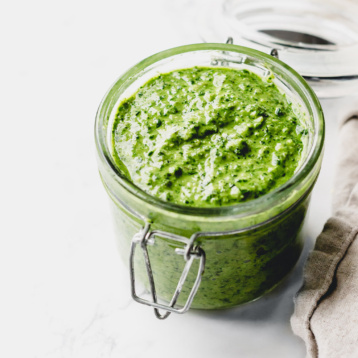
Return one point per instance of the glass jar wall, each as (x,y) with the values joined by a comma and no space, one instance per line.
(249,247)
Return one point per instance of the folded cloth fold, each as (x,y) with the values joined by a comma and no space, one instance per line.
(326,307)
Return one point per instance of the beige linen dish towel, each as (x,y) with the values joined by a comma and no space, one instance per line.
(326,307)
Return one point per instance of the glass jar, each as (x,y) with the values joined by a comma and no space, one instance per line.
(318,38)
(209,258)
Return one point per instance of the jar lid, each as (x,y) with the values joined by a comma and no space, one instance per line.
(318,38)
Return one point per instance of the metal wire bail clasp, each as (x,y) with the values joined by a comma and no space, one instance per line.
(190,253)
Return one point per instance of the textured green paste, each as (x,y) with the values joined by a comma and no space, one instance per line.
(208,137)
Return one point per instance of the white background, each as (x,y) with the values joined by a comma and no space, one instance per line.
(64,291)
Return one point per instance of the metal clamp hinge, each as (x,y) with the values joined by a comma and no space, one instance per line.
(273,52)
(190,253)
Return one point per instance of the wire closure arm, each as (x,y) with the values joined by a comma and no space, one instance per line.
(190,253)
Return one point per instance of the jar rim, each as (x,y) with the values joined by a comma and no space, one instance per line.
(239,209)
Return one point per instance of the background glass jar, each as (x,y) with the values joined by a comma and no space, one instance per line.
(248,248)
(318,38)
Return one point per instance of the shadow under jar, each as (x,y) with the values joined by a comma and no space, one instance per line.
(217,257)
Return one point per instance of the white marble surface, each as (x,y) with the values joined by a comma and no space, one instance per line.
(65,292)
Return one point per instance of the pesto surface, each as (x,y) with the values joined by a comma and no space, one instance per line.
(208,137)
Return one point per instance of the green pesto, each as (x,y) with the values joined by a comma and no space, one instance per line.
(208,137)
